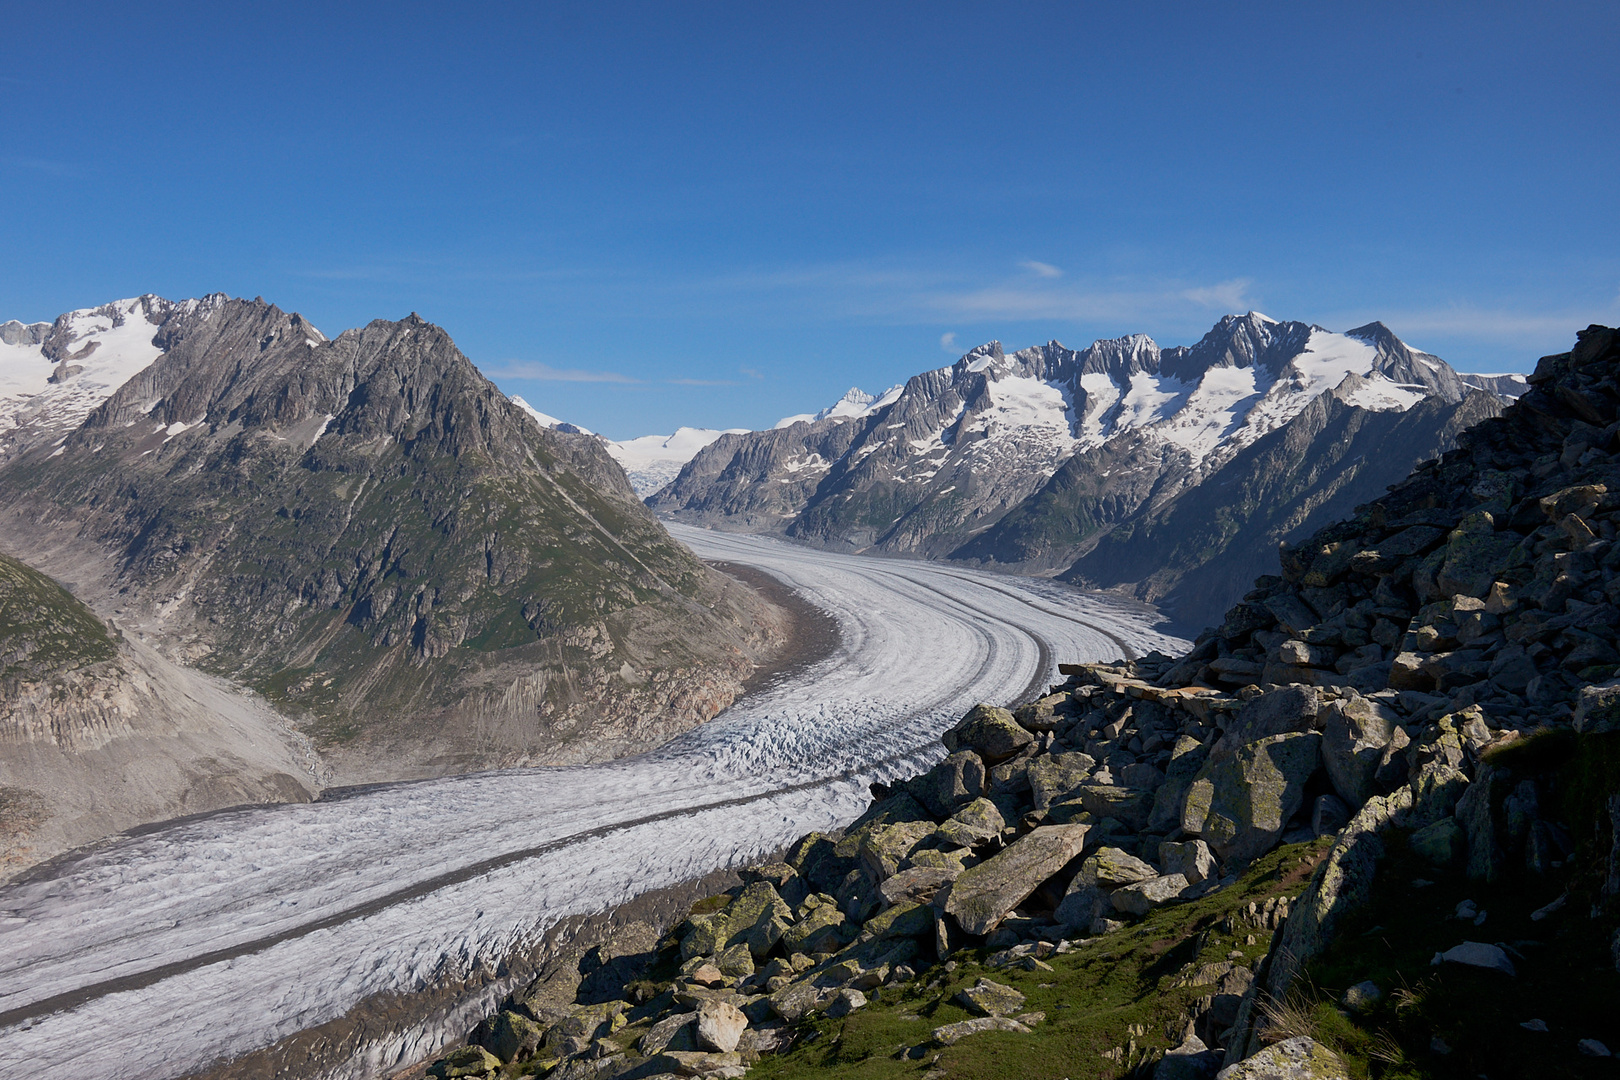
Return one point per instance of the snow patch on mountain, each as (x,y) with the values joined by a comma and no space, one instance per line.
(651,461)
(855,404)
(55,374)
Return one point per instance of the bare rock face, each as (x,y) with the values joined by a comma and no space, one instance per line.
(370,534)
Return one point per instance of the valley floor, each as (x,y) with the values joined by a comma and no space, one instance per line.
(159,954)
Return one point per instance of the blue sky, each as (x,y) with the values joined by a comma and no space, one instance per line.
(639,216)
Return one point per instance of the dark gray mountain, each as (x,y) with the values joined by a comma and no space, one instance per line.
(1030,460)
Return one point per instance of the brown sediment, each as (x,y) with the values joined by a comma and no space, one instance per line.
(812,634)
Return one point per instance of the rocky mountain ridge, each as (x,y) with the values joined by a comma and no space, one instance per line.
(1034,459)
(1369,825)
(372,536)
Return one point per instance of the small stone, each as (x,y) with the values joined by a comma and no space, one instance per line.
(1466,910)
(1534,1025)
(1592,1048)
(708,975)
(1480,955)
(1362,996)
(1439,1046)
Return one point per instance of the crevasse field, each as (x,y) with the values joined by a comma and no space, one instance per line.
(157,954)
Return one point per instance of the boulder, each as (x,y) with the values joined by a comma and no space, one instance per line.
(1299,1058)
(735,961)
(513,1036)
(783,878)
(883,847)
(1477,954)
(817,859)
(1111,867)
(1054,776)
(1190,858)
(916,885)
(977,823)
(1187,756)
(667,1034)
(795,1001)
(987,998)
(1362,997)
(691,1063)
(1082,904)
(820,927)
(1598,710)
(1239,805)
(910,920)
(1132,808)
(845,1002)
(990,732)
(953,783)
(1192,1060)
(1144,896)
(465,1061)
(984,894)
(1355,732)
(951,1034)
(1282,711)
(719,1025)
(1442,843)
(757,918)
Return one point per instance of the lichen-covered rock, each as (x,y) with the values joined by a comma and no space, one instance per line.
(1111,867)
(977,823)
(667,1034)
(1240,804)
(884,847)
(1283,711)
(916,885)
(1599,709)
(1442,843)
(1144,896)
(1131,807)
(990,732)
(983,895)
(513,1035)
(910,920)
(1355,732)
(951,1034)
(952,784)
(1299,1058)
(1187,756)
(757,918)
(988,998)
(465,1061)
(819,928)
(1054,776)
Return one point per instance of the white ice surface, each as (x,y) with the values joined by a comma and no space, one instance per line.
(157,954)
(120,352)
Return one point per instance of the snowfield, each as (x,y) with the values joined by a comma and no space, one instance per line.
(157,954)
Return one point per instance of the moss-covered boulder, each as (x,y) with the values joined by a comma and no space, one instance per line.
(983,895)
(990,732)
(1240,806)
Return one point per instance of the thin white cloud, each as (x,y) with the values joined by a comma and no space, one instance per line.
(1226,296)
(947,341)
(1040,269)
(533,369)
(701,382)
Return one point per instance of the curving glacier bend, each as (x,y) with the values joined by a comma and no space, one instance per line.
(161,953)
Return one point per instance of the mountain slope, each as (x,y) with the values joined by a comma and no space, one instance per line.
(368,532)
(1028,460)
(98,734)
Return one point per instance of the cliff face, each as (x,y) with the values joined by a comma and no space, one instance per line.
(366,531)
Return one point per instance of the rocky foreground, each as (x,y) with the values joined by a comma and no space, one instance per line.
(1368,826)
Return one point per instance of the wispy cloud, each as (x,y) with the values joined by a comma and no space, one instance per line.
(1040,269)
(947,341)
(750,372)
(534,369)
(702,382)
(64,169)
(1226,296)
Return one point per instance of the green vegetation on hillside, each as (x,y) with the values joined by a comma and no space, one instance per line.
(43,629)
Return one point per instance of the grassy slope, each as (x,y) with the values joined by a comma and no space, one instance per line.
(43,629)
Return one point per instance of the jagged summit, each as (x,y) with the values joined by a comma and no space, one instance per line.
(373,535)
(1028,458)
